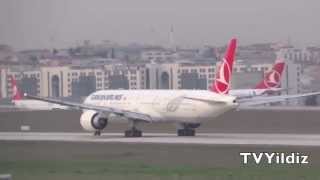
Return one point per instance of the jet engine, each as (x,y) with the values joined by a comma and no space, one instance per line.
(92,120)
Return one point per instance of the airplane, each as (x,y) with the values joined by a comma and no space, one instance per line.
(29,104)
(186,108)
(269,84)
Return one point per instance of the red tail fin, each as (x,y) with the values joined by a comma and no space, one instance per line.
(221,84)
(16,95)
(272,79)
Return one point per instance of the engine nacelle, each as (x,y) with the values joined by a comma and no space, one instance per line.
(91,120)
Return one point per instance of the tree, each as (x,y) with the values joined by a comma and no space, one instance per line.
(71,51)
(34,60)
(55,51)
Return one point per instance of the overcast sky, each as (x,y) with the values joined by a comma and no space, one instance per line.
(26,24)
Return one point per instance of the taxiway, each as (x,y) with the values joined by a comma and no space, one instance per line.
(166,138)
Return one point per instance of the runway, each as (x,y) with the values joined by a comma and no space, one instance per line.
(166,138)
(300,121)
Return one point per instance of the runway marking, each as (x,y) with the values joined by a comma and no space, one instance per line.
(164,138)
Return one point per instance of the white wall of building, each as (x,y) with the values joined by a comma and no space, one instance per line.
(137,76)
(3,83)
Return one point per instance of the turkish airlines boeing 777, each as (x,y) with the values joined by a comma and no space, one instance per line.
(30,104)
(188,108)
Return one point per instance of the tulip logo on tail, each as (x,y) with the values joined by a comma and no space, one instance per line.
(273,78)
(221,84)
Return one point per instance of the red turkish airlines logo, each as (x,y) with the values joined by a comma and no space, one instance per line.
(222,85)
(272,79)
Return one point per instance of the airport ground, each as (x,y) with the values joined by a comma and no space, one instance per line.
(58,160)
(284,120)
(111,160)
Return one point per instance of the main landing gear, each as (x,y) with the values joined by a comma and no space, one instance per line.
(188,129)
(133,131)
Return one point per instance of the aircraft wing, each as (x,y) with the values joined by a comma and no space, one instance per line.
(78,106)
(275,90)
(271,99)
(266,91)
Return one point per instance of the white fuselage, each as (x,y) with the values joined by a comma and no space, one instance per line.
(166,105)
(245,93)
(36,105)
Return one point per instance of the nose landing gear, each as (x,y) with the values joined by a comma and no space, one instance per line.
(97,133)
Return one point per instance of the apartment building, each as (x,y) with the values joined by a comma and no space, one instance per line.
(79,81)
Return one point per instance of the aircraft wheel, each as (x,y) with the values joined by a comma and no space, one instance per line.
(186,132)
(133,133)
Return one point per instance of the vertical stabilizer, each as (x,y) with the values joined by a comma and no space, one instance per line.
(221,83)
